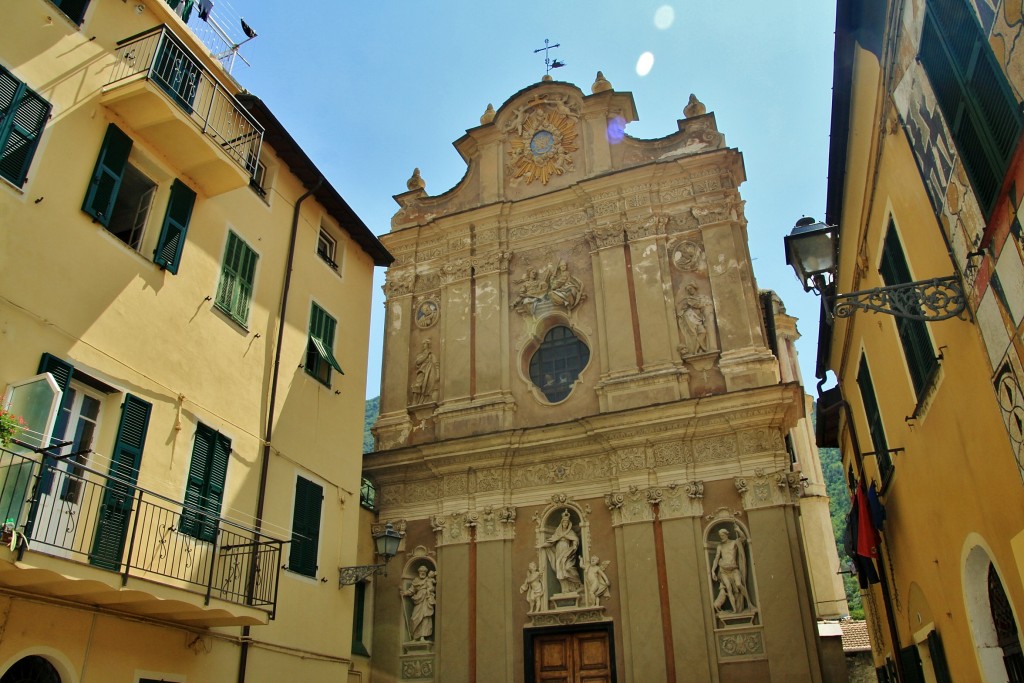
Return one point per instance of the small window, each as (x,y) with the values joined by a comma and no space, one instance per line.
(204,489)
(320,358)
(237,274)
(23,114)
(309,499)
(368,494)
(558,362)
(75,9)
(259,175)
(327,248)
(359,612)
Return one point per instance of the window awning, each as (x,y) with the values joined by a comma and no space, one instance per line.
(325,353)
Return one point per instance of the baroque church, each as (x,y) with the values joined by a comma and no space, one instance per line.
(591,431)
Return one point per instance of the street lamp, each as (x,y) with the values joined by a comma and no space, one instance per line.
(386,542)
(811,250)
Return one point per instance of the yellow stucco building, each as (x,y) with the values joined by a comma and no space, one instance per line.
(925,182)
(184,316)
(585,432)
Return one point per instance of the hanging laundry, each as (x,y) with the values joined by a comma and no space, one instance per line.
(174,3)
(205,7)
(186,11)
(247,30)
(868,539)
(875,507)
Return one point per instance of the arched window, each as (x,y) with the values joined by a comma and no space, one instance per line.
(32,669)
(558,362)
(1006,627)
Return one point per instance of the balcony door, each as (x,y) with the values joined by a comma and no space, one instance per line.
(65,489)
(176,73)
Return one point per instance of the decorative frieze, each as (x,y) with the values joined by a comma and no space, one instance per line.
(762,440)
(562,471)
(672,453)
(632,459)
(741,645)
(582,615)
(418,668)
(715,449)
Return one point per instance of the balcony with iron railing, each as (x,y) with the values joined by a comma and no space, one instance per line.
(169,97)
(74,533)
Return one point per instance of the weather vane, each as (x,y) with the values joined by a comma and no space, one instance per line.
(549,64)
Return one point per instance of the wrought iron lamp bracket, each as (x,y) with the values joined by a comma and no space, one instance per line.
(353,575)
(939,298)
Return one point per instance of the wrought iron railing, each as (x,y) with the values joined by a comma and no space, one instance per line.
(59,507)
(158,56)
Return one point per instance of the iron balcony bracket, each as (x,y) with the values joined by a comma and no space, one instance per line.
(939,298)
(352,575)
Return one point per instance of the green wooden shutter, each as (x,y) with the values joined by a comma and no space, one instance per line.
(874,417)
(62,372)
(238,271)
(172,235)
(204,488)
(116,507)
(75,9)
(358,612)
(972,91)
(913,334)
(106,177)
(23,115)
(911,660)
(309,498)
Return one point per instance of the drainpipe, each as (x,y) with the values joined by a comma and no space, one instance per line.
(883,577)
(271,404)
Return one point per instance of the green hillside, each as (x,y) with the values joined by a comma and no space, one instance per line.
(370,416)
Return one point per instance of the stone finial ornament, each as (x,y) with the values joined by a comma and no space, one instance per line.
(416,181)
(601,84)
(488,115)
(694,107)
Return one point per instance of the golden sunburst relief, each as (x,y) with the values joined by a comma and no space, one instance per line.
(544,147)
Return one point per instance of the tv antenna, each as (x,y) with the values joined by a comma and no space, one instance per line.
(549,63)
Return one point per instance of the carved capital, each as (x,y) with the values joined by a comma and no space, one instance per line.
(398,283)
(454,271)
(650,226)
(495,523)
(628,507)
(681,500)
(606,236)
(494,262)
(452,528)
(769,489)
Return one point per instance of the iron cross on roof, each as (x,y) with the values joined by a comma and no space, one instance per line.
(549,64)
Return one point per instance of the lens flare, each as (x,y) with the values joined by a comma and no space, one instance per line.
(616,129)
(664,17)
(644,64)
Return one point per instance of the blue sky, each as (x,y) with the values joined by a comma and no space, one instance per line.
(372,90)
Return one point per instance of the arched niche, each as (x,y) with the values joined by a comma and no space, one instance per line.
(38,665)
(563,544)
(418,591)
(731,572)
(994,624)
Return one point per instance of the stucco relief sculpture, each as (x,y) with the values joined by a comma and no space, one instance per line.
(694,315)
(562,549)
(424,386)
(427,313)
(542,138)
(687,255)
(729,570)
(533,588)
(420,594)
(595,581)
(559,288)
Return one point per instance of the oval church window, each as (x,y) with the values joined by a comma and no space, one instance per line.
(558,362)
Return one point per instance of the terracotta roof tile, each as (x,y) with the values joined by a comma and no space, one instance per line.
(855,636)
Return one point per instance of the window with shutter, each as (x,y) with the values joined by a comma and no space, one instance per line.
(917,344)
(237,273)
(167,254)
(320,358)
(309,498)
(204,488)
(972,91)
(118,494)
(358,617)
(874,417)
(75,9)
(23,115)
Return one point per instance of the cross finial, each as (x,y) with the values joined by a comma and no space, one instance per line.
(549,63)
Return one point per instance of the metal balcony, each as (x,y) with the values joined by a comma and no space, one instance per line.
(166,94)
(79,535)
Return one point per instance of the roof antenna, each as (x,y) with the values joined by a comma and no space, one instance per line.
(549,64)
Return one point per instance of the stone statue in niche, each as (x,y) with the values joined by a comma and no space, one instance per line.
(595,582)
(424,386)
(694,315)
(562,550)
(558,288)
(729,569)
(533,587)
(420,593)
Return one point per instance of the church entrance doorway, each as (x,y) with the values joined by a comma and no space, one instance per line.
(570,656)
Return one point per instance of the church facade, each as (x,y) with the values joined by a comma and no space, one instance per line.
(584,433)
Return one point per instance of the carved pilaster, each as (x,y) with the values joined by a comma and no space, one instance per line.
(452,528)
(630,507)
(769,489)
(681,500)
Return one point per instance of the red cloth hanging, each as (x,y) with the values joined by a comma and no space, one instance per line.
(868,539)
